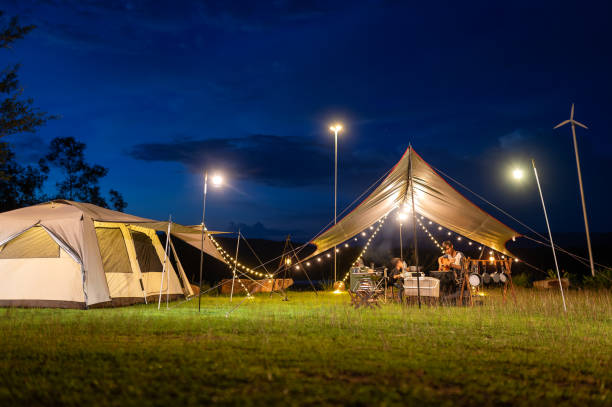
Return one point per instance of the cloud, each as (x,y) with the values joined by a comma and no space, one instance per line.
(512,139)
(267,159)
(136,26)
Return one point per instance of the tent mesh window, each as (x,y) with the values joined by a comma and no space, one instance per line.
(114,254)
(145,252)
(31,244)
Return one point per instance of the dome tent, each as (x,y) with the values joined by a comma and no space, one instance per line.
(76,255)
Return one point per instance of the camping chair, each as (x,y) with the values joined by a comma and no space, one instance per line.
(367,293)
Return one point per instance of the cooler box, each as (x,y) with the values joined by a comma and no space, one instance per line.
(430,287)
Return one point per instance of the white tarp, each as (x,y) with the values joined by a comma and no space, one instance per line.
(434,199)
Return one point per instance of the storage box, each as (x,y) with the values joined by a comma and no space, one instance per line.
(429,287)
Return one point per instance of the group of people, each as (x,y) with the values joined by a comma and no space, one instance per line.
(451,261)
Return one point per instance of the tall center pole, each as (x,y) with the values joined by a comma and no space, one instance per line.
(335,189)
(552,245)
(203,237)
(584,213)
(401,244)
(414,222)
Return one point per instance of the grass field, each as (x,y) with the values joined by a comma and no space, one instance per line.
(312,351)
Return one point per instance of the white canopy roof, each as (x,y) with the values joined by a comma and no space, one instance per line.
(434,199)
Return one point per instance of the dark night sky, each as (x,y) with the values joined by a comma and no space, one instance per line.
(158,90)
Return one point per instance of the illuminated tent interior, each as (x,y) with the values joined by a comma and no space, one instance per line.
(75,255)
(434,199)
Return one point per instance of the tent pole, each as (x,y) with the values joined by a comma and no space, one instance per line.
(161,282)
(235,265)
(552,245)
(401,244)
(181,270)
(297,259)
(169,240)
(280,265)
(203,237)
(414,222)
(286,265)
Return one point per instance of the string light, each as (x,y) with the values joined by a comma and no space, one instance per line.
(433,239)
(365,248)
(232,262)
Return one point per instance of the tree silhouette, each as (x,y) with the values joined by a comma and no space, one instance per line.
(80,182)
(17,114)
(20,186)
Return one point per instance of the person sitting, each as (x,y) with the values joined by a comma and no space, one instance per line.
(396,274)
(451,260)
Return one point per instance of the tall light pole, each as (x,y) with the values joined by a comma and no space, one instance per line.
(217,180)
(335,129)
(574,123)
(518,175)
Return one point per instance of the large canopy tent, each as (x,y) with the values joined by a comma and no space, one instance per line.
(434,198)
(76,255)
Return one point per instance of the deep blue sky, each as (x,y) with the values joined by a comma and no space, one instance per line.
(159,90)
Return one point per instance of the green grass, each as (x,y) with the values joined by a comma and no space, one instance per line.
(312,351)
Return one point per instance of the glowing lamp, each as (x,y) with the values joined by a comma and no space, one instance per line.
(518,174)
(217,180)
(339,287)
